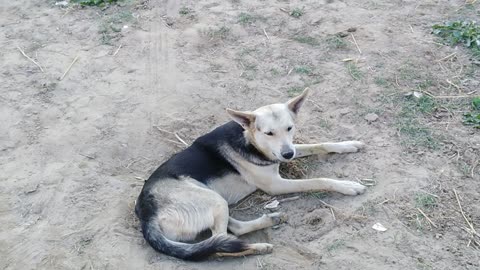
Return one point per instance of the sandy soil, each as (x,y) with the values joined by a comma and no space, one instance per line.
(74,152)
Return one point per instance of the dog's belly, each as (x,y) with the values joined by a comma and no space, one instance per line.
(231,187)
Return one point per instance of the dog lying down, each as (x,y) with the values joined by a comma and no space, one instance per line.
(191,191)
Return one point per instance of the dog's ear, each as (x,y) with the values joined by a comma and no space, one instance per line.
(295,103)
(245,119)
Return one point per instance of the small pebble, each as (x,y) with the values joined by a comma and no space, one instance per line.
(371,117)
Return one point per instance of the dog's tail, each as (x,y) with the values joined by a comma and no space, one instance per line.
(192,252)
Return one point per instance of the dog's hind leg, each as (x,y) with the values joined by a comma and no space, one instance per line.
(238,227)
(302,150)
(222,221)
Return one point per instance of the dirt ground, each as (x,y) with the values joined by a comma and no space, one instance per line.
(74,150)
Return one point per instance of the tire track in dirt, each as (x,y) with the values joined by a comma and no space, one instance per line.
(161,65)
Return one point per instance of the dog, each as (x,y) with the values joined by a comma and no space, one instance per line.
(190,193)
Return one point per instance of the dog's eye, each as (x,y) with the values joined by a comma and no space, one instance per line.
(289,128)
(269,133)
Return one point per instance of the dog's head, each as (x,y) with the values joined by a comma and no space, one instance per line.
(271,128)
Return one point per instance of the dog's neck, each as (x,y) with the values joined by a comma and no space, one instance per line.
(263,158)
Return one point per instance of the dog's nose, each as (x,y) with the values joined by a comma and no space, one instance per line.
(287,154)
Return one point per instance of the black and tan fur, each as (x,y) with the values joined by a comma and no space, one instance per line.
(191,191)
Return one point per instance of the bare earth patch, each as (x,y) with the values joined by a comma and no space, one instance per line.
(93,99)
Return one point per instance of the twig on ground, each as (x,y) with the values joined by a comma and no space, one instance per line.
(463,214)
(180,139)
(118,49)
(175,142)
(87,156)
(327,205)
(385,201)
(289,199)
(333,214)
(475,164)
(356,44)
(452,84)
(259,263)
(163,130)
(428,193)
(265,32)
(425,215)
(31,60)
(131,163)
(446,57)
(69,67)
(367,182)
(460,96)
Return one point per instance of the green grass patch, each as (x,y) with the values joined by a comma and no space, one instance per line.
(112,25)
(320,195)
(473,118)
(425,201)
(184,11)
(295,90)
(415,133)
(245,18)
(307,40)
(94,2)
(335,42)
(354,71)
(222,32)
(303,70)
(297,13)
(381,82)
(464,32)
(274,72)
(335,245)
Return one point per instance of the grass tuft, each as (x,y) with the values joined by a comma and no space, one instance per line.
(354,71)
(307,40)
(303,70)
(425,201)
(336,42)
(297,13)
(414,132)
(473,118)
(184,11)
(93,2)
(245,18)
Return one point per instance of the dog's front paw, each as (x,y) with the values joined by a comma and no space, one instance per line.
(349,188)
(277,218)
(350,146)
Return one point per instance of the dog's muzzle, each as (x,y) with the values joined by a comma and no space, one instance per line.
(288,154)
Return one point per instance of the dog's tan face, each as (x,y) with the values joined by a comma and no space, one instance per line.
(271,128)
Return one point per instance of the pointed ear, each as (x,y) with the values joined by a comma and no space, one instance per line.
(245,119)
(295,103)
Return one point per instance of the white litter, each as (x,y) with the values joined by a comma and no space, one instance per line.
(414,94)
(272,205)
(379,227)
(62,3)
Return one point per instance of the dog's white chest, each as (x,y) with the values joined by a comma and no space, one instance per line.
(231,187)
